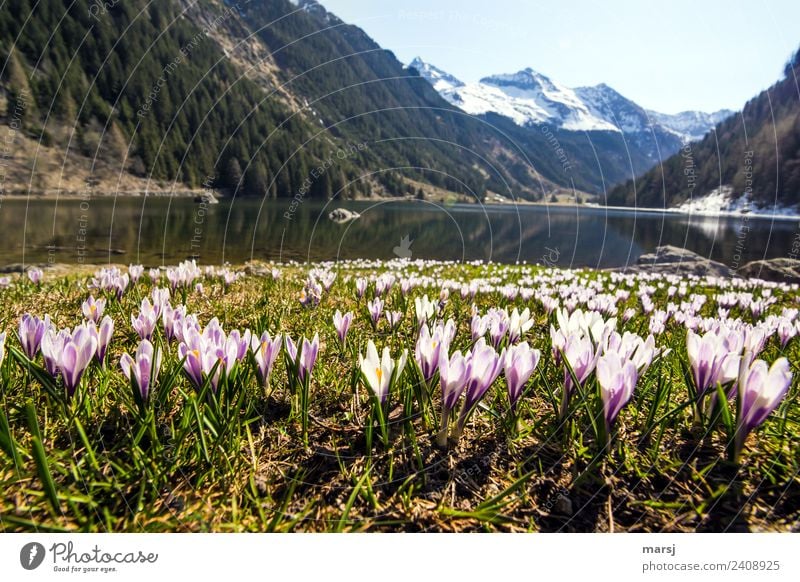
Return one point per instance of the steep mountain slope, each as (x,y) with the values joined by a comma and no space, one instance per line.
(250,97)
(750,161)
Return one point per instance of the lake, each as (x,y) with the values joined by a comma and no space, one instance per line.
(156,231)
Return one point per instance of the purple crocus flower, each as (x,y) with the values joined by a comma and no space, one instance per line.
(135,272)
(453,372)
(786,331)
(342,325)
(478,327)
(308,355)
(171,319)
(31,331)
(393,318)
(142,369)
(617,378)
(201,356)
(192,362)
(103,335)
(579,352)
(35,275)
(265,351)
(76,356)
(52,347)
(93,308)
(427,350)
(711,360)
(760,392)
(375,309)
(485,365)
(145,323)
(518,365)
(498,328)
(361,287)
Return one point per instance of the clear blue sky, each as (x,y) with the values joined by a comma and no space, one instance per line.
(668,56)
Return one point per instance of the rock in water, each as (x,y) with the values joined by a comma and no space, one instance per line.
(343,215)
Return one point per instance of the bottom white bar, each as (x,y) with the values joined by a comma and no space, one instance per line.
(384,557)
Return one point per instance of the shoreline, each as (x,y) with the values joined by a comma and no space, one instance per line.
(220,196)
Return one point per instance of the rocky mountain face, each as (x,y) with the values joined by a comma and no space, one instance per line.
(750,162)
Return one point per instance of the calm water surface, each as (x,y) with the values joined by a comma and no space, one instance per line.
(156,231)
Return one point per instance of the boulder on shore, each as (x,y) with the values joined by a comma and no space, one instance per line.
(668,259)
(780,270)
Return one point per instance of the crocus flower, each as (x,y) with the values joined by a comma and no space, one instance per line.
(52,347)
(478,327)
(375,309)
(35,275)
(617,378)
(171,318)
(380,372)
(453,370)
(361,287)
(135,272)
(145,323)
(485,365)
(104,334)
(786,331)
(518,324)
(2,347)
(142,369)
(308,355)
(342,325)
(426,352)
(76,356)
(711,361)
(93,308)
(393,318)
(424,309)
(265,350)
(201,355)
(760,392)
(518,365)
(31,331)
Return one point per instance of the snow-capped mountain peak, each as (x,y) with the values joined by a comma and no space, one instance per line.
(440,80)
(531,98)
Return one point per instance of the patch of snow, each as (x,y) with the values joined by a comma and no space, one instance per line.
(722,202)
